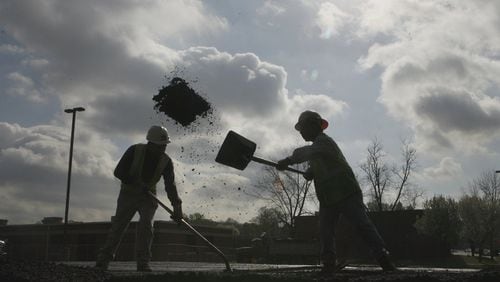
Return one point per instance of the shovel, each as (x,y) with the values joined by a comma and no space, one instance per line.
(191,228)
(237,151)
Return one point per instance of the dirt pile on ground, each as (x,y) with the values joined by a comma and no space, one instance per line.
(308,276)
(47,271)
(181,102)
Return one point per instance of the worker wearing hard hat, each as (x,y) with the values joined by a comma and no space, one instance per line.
(139,170)
(337,190)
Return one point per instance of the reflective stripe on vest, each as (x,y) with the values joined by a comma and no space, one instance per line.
(137,167)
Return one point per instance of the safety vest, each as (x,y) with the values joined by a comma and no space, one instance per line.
(334,179)
(137,167)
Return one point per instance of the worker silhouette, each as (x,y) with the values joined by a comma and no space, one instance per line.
(337,190)
(139,170)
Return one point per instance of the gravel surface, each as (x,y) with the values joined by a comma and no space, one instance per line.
(47,271)
(303,276)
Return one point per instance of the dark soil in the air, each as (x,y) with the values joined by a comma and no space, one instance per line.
(180,102)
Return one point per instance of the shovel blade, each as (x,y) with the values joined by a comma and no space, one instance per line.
(236,151)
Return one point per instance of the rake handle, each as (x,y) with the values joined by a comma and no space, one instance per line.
(192,229)
(266,162)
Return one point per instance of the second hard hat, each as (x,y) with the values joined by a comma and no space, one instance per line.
(158,135)
(308,117)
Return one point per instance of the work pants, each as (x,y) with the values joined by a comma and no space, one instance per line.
(130,202)
(352,209)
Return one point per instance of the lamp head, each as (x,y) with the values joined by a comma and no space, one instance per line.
(77,109)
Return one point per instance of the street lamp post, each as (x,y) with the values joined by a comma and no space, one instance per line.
(69,111)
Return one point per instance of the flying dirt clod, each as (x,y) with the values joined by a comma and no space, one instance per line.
(180,102)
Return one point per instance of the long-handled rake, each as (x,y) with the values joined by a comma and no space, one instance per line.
(191,228)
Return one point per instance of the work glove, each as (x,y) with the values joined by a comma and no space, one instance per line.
(177,216)
(283,164)
(308,175)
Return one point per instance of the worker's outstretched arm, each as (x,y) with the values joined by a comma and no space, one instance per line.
(171,189)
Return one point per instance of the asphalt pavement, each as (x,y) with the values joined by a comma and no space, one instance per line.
(126,267)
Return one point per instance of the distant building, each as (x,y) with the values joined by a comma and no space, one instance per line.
(171,242)
(396,228)
(175,243)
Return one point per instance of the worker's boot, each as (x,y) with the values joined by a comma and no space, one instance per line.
(102,261)
(385,262)
(143,258)
(329,265)
(340,264)
(143,266)
(102,264)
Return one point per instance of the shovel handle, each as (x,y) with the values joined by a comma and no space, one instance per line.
(191,228)
(266,162)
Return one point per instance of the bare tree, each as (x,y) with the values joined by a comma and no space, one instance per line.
(377,173)
(411,195)
(383,178)
(487,188)
(288,192)
(403,172)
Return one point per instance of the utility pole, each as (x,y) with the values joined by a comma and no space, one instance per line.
(69,111)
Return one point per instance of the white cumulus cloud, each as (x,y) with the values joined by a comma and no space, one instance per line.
(441,69)
(331,19)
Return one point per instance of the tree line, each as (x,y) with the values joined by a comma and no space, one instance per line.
(473,220)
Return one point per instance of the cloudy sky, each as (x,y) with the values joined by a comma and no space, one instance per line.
(427,71)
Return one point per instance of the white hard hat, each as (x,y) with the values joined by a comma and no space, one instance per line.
(158,135)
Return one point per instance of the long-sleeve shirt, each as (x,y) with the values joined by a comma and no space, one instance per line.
(151,159)
(334,179)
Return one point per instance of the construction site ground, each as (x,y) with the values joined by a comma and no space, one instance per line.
(194,271)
